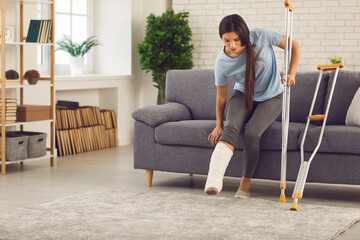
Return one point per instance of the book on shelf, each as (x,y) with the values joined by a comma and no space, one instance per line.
(9,118)
(84,129)
(63,103)
(33,32)
(9,114)
(9,121)
(9,111)
(9,100)
(39,31)
(9,105)
(108,118)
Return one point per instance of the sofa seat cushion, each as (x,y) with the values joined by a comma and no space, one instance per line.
(195,133)
(186,133)
(272,137)
(336,139)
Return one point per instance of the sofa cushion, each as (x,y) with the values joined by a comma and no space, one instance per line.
(187,133)
(336,139)
(301,96)
(195,88)
(347,84)
(158,114)
(272,137)
(195,133)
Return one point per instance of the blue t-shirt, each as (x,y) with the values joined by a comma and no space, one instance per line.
(267,84)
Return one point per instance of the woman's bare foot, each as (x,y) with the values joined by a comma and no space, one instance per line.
(211,191)
(245,184)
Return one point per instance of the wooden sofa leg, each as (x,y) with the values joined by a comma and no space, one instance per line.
(149,177)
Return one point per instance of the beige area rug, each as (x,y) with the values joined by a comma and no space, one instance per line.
(124,214)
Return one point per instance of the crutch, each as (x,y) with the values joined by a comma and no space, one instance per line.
(305,165)
(289,9)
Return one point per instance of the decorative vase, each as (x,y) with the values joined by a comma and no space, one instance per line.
(76,66)
(32,76)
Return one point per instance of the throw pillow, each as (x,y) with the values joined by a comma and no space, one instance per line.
(353,113)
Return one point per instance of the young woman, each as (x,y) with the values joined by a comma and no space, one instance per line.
(256,101)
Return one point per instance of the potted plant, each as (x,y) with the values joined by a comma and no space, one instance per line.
(77,52)
(166,46)
(335,59)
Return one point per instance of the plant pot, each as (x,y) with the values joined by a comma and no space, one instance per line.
(76,66)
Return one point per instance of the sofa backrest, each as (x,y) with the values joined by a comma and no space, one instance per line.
(195,89)
(347,83)
(301,96)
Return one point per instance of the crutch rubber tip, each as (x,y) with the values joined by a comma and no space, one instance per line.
(282,198)
(294,206)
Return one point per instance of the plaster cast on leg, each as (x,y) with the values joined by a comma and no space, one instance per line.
(220,159)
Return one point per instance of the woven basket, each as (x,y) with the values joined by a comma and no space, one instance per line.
(36,146)
(16,146)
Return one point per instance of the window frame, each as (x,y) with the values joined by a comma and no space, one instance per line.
(64,69)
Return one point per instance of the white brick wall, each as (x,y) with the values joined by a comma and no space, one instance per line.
(323,28)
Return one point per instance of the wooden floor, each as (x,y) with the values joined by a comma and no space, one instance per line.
(36,182)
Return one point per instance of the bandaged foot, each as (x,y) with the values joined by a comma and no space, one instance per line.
(220,159)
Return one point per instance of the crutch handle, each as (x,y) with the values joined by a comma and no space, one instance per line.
(330,67)
(317,117)
(289,5)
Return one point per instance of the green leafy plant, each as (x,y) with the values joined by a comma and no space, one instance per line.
(76,49)
(166,46)
(335,59)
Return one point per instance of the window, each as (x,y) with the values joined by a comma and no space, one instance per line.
(74,18)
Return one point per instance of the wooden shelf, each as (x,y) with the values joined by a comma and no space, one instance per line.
(27,85)
(27,43)
(23,123)
(48,155)
(29,1)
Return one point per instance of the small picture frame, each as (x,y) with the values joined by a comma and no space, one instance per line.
(9,34)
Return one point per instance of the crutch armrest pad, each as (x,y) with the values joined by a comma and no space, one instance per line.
(330,67)
(289,5)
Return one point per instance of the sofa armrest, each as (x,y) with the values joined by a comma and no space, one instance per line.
(159,114)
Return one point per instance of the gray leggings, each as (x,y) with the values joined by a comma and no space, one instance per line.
(257,121)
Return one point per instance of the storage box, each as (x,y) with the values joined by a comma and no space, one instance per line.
(27,113)
(36,146)
(16,146)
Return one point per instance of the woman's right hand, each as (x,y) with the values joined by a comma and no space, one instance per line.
(215,135)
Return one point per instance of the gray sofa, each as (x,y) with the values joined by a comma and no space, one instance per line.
(173,137)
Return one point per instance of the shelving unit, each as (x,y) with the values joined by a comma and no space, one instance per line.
(43,81)
(29,44)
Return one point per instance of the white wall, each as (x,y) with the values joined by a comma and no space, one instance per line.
(323,28)
(112,25)
(146,92)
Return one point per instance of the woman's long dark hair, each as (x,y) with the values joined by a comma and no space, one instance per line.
(235,23)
